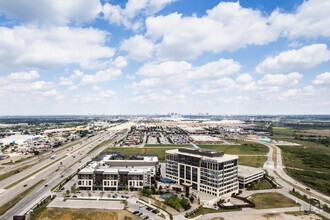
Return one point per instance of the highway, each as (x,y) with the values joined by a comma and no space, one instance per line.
(52,177)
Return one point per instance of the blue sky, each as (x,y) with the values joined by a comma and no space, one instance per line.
(160,56)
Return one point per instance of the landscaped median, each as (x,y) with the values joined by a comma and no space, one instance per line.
(31,174)
(14,201)
(13,172)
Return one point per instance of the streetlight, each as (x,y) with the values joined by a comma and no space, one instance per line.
(310,205)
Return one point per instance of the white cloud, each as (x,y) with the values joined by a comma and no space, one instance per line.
(280,79)
(164,69)
(139,48)
(226,27)
(322,79)
(133,8)
(101,76)
(47,47)
(304,93)
(77,74)
(244,78)
(57,12)
(23,76)
(120,62)
(212,70)
(292,60)
(309,20)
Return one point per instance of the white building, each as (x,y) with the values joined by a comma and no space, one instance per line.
(109,174)
(248,174)
(207,172)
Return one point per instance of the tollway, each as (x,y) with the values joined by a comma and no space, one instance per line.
(52,178)
(40,158)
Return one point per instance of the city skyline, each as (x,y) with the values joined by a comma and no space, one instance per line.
(159,56)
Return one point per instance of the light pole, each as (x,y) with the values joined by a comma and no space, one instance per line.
(310,205)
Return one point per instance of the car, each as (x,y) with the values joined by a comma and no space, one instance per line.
(148,208)
(140,214)
(146,217)
(61,176)
(141,206)
(135,212)
(46,185)
(308,189)
(25,185)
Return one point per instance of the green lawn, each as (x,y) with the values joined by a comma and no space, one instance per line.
(252,161)
(271,200)
(263,184)
(168,145)
(129,151)
(203,211)
(247,148)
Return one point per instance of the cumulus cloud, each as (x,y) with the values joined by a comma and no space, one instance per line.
(226,27)
(101,76)
(114,14)
(292,60)
(139,48)
(47,47)
(27,85)
(280,79)
(309,20)
(244,78)
(322,79)
(59,12)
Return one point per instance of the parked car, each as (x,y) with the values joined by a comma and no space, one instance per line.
(25,185)
(135,212)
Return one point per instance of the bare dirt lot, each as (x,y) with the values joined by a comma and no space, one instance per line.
(316,132)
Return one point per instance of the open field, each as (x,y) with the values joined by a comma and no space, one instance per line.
(247,148)
(271,200)
(152,150)
(168,145)
(252,161)
(83,214)
(308,164)
(325,132)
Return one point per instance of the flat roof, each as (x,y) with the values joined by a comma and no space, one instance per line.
(204,138)
(223,158)
(246,171)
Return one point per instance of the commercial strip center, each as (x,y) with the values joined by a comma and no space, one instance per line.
(208,174)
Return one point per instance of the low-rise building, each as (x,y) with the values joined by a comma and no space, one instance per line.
(248,175)
(110,174)
(205,139)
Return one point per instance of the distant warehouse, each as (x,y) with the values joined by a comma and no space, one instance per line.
(205,139)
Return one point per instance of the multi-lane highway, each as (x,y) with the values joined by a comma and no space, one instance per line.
(77,157)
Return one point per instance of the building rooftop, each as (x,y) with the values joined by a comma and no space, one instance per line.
(246,171)
(204,138)
(204,154)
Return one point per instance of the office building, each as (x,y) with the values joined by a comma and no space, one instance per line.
(109,174)
(207,171)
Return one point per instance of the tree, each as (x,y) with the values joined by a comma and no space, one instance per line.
(191,199)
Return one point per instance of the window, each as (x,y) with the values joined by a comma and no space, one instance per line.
(194,174)
(188,172)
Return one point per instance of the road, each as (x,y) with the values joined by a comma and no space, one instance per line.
(52,178)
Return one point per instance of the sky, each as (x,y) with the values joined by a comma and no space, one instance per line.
(159,56)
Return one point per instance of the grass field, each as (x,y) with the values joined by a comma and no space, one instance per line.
(271,200)
(168,145)
(252,161)
(308,164)
(263,184)
(84,214)
(129,151)
(247,148)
